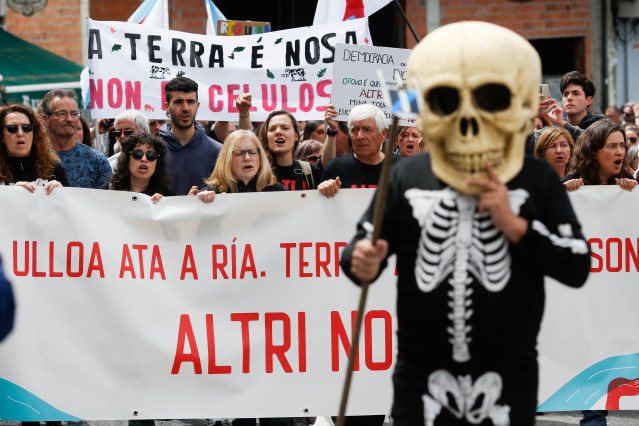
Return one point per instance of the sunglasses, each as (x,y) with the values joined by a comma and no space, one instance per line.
(13,128)
(632,139)
(150,155)
(313,157)
(118,133)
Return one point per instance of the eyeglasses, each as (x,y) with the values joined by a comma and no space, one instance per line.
(118,133)
(313,157)
(150,155)
(241,153)
(632,139)
(13,128)
(63,114)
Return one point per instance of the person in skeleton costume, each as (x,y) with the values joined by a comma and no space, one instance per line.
(475,227)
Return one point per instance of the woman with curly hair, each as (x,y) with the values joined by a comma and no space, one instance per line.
(142,167)
(600,158)
(26,156)
(555,145)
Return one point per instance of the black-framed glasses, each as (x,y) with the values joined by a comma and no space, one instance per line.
(240,153)
(632,139)
(150,155)
(313,158)
(13,128)
(118,133)
(63,113)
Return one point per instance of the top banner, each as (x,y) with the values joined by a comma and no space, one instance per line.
(130,64)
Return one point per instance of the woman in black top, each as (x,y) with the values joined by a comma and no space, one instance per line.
(242,166)
(26,156)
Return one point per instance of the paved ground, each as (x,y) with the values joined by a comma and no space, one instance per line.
(615,418)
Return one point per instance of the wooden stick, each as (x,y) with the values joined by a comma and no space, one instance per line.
(378,216)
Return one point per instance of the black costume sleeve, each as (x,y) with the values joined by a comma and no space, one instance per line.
(553,243)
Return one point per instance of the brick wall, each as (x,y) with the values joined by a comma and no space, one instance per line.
(57,28)
(533,20)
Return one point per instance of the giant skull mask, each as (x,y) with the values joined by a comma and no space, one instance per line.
(480,87)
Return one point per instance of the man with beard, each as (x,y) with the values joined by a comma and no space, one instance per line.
(84,166)
(192,154)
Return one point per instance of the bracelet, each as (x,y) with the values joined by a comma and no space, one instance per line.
(331,132)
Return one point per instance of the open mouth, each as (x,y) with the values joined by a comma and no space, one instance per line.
(410,147)
(618,162)
(143,168)
(279,142)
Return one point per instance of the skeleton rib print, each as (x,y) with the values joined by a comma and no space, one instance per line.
(458,242)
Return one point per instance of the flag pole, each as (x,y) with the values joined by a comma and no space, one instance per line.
(407,23)
(378,215)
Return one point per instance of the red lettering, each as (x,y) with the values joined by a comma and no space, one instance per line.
(210,335)
(265,98)
(322,93)
(219,266)
(244,320)
(338,333)
(156,263)
(219,105)
(114,93)
(301,260)
(127,263)
(133,94)
(185,332)
(34,257)
(188,263)
(338,245)
(248,263)
(599,264)
(97,93)
(631,255)
(322,263)
(95,262)
(301,340)
(304,105)
(288,247)
(231,88)
(388,336)
(139,248)
(610,255)
(271,349)
(285,100)
(24,272)
(52,273)
(70,247)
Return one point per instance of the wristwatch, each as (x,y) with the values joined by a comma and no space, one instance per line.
(331,132)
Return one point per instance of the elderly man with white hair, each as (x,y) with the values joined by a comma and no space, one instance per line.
(361,169)
(126,123)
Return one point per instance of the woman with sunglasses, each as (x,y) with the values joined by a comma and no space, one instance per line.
(26,156)
(242,166)
(142,167)
(310,151)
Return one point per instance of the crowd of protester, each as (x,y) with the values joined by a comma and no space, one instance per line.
(181,156)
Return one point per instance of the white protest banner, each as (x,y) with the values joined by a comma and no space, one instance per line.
(183,309)
(130,64)
(238,308)
(355,79)
(588,349)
